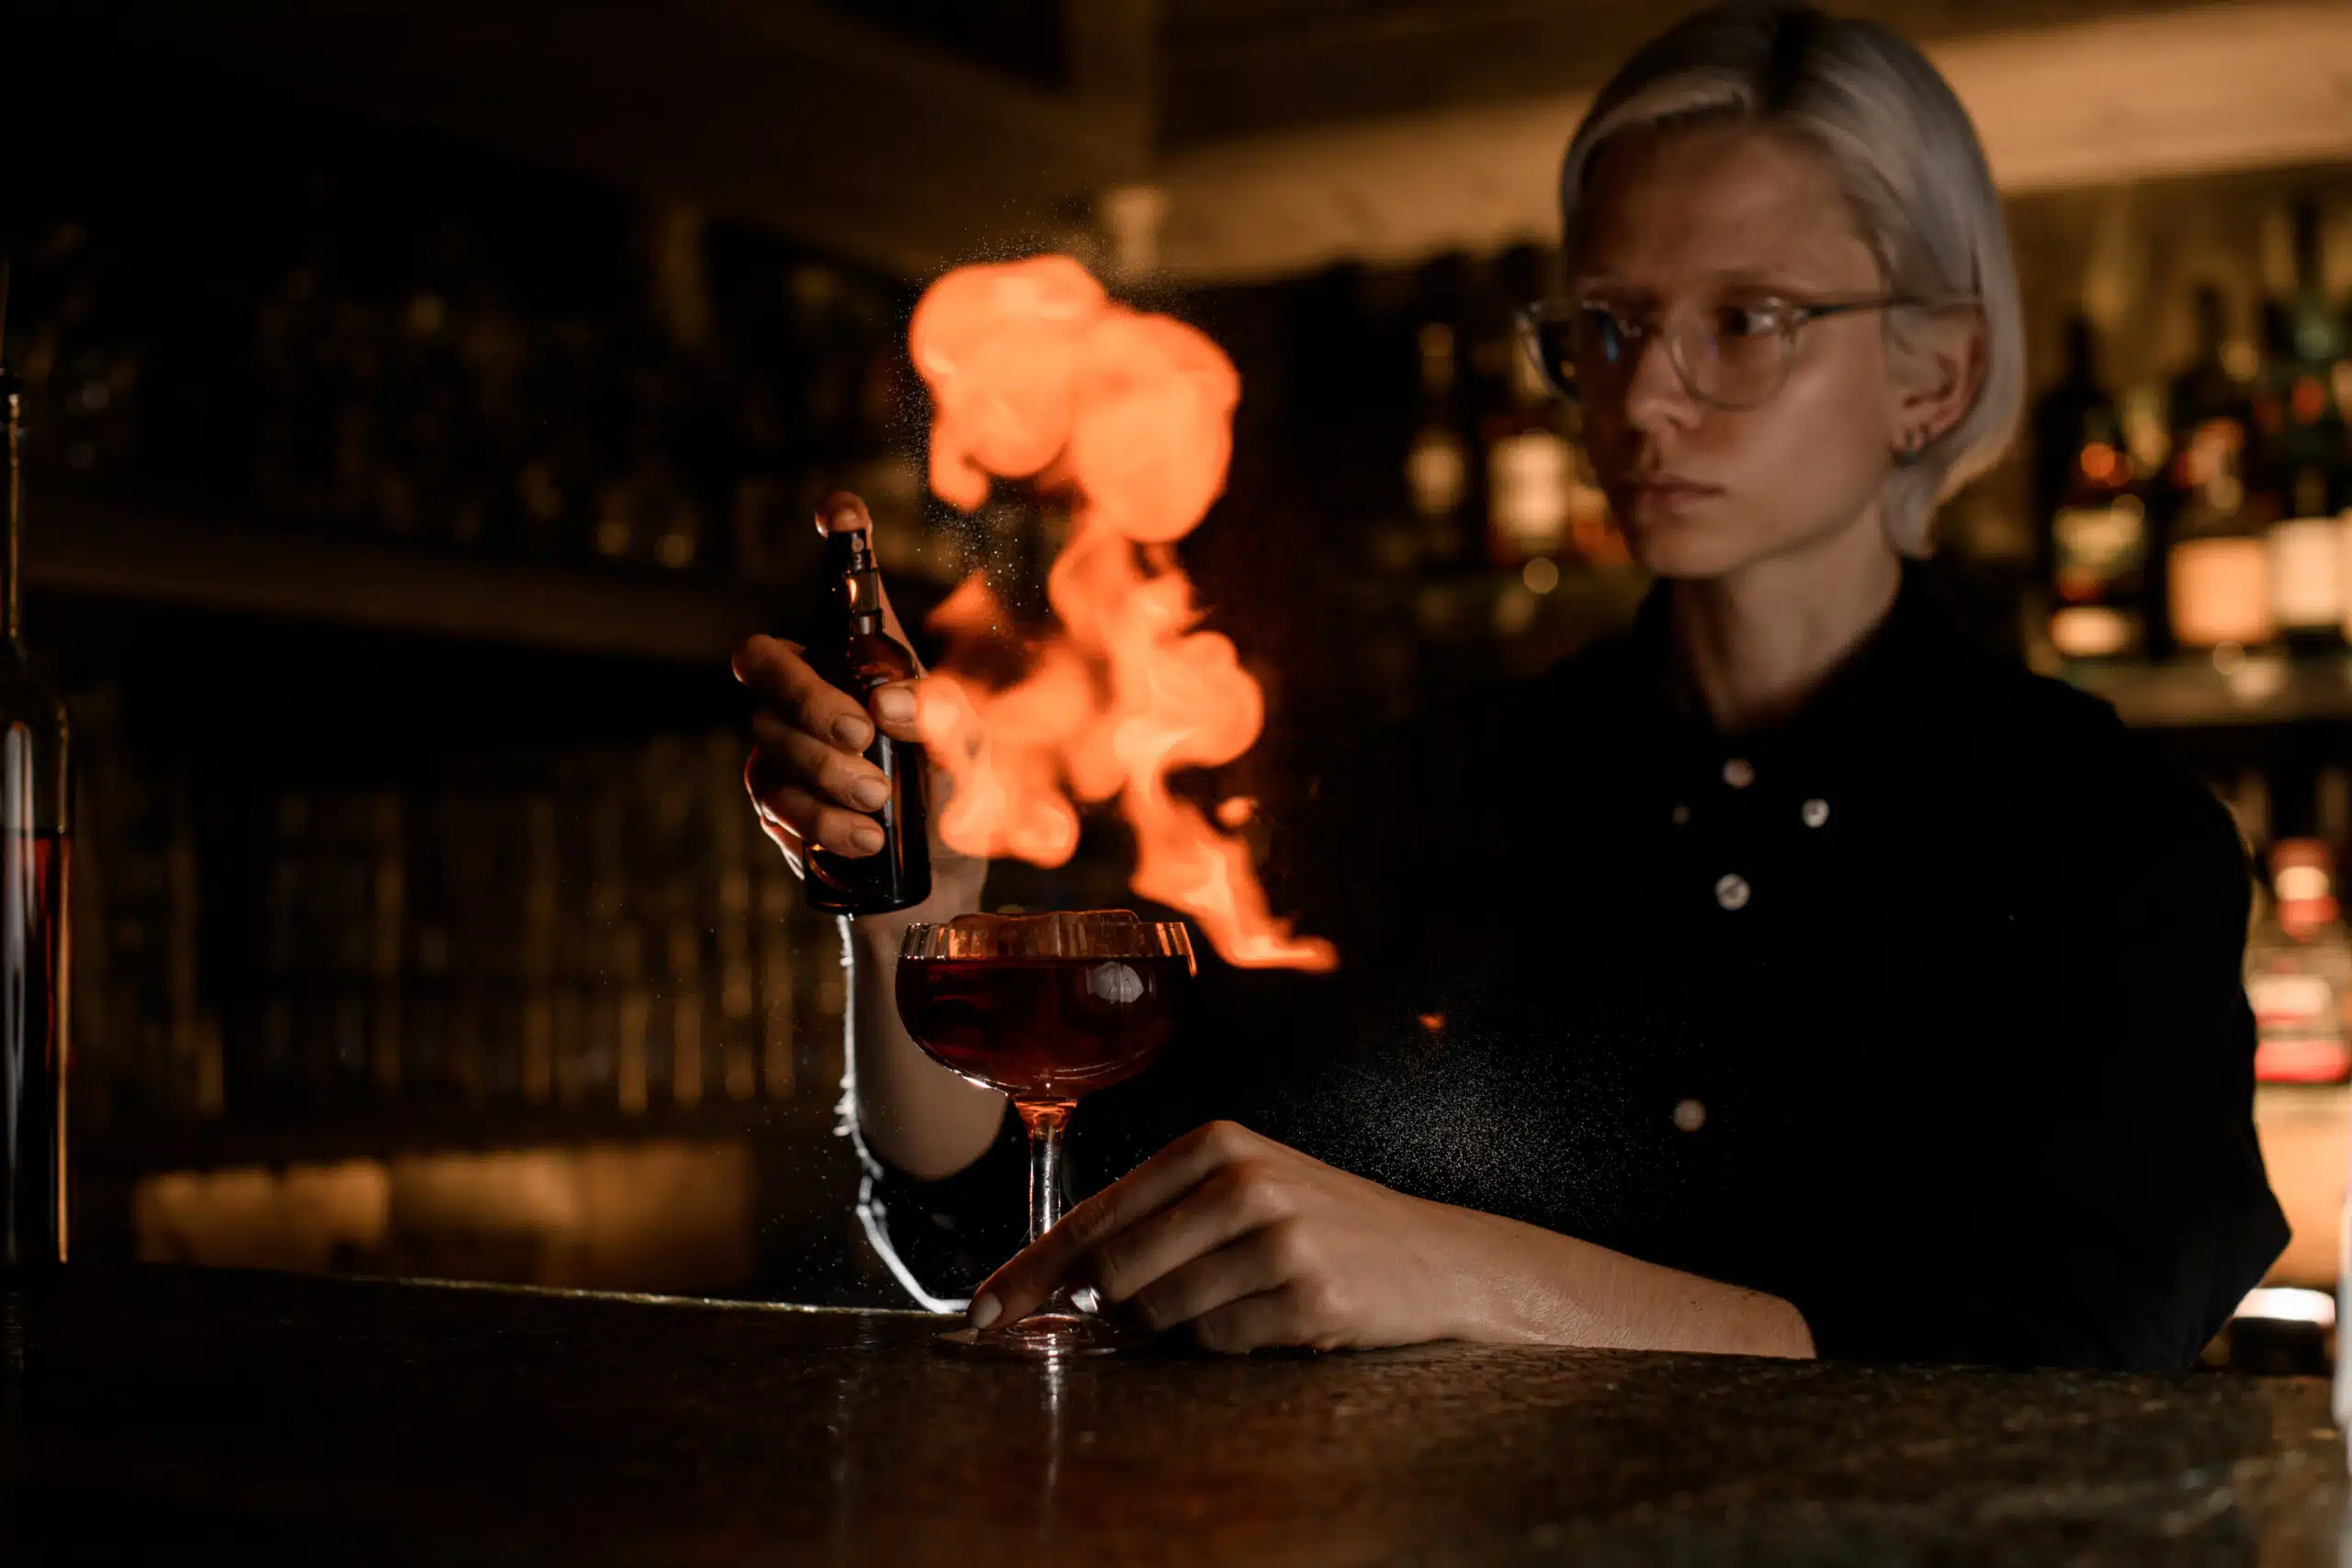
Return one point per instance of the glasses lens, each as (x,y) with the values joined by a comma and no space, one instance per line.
(1550,345)
(1600,344)
(1734,355)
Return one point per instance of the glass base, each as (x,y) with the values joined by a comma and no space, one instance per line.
(1041,1337)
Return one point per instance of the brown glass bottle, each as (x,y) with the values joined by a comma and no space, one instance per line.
(855,654)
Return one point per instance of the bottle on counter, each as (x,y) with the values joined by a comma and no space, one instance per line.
(2299,971)
(34,929)
(853,652)
(2095,518)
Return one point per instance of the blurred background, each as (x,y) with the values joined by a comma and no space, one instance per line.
(424,399)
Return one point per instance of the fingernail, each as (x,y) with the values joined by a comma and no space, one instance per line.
(850,731)
(866,839)
(871,793)
(985,1310)
(895,705)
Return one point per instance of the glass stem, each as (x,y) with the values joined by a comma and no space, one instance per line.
(1045,1119)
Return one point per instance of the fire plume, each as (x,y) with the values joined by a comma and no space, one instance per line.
(1035,374)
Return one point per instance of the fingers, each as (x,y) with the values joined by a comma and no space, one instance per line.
(1297,1313)
(780,800)
(1232,1202)
(1016,1289)
(843,509)
(1258,1261)
(895,708)
(841,777)
(783,680)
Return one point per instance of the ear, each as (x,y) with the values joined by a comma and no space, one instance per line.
(1939,366)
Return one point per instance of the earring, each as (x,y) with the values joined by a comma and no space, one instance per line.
(1909,451)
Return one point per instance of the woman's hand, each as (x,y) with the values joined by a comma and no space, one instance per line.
(1250,1243)
(808,775)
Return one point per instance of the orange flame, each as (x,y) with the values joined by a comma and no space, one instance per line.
(1035,373)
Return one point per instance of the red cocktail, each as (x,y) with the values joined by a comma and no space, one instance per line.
(1044,1008)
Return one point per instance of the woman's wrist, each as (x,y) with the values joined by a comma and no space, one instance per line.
(1518,1284)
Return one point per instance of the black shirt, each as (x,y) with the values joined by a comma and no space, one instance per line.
(1923,1010)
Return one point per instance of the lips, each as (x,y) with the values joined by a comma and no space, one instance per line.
(1667,493)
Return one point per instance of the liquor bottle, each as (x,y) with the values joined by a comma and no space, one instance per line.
(2304,461)
(855,654)
(34,929)
(1437,462)
(1531,465)
(2298,972)
(2218,576)
(2097,522)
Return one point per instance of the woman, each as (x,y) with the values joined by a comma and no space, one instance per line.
(1797,980)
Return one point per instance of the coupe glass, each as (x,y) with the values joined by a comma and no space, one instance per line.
(1044,1008)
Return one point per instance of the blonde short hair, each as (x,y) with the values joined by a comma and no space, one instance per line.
(1906,154)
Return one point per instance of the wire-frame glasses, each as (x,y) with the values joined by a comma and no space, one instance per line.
(1733,353)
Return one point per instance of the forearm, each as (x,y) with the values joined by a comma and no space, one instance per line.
(1529,1286)
(910,1111)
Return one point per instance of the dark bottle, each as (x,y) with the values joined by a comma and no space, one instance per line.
(33,929)
(2095,525)
(853,653)
(2216,581)
(2301,469)
(1436,467)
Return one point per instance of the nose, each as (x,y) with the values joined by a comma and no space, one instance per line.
(1655,395)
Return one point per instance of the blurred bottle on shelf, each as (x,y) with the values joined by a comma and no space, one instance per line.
(1531,464)
(2218,569)
(35,930)
(2299,971)
(1437,460)
(2302,479)
(2096,529)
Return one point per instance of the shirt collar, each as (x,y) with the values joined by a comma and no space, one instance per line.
(1878,705)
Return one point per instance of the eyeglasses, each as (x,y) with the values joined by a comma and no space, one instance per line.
(1733,353)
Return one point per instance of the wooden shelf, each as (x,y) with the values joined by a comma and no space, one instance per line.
(2200,693)
(329,1134)
(79,547)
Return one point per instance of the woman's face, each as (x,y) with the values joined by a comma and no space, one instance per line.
(1674,220)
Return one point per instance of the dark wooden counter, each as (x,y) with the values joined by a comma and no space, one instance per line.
(261,1418)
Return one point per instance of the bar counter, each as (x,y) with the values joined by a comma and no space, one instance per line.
(290,1419)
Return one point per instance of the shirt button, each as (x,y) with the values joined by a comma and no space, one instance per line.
(1731,892)
(1739,773)
(1816,812)
(1681,815)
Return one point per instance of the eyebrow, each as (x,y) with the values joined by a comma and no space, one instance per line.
(1744,278)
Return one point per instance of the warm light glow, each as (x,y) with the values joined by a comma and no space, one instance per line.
(2300,884)
(1542,575)
(2101,463)
(1035,374)
(2308,399)
(2282,1303)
